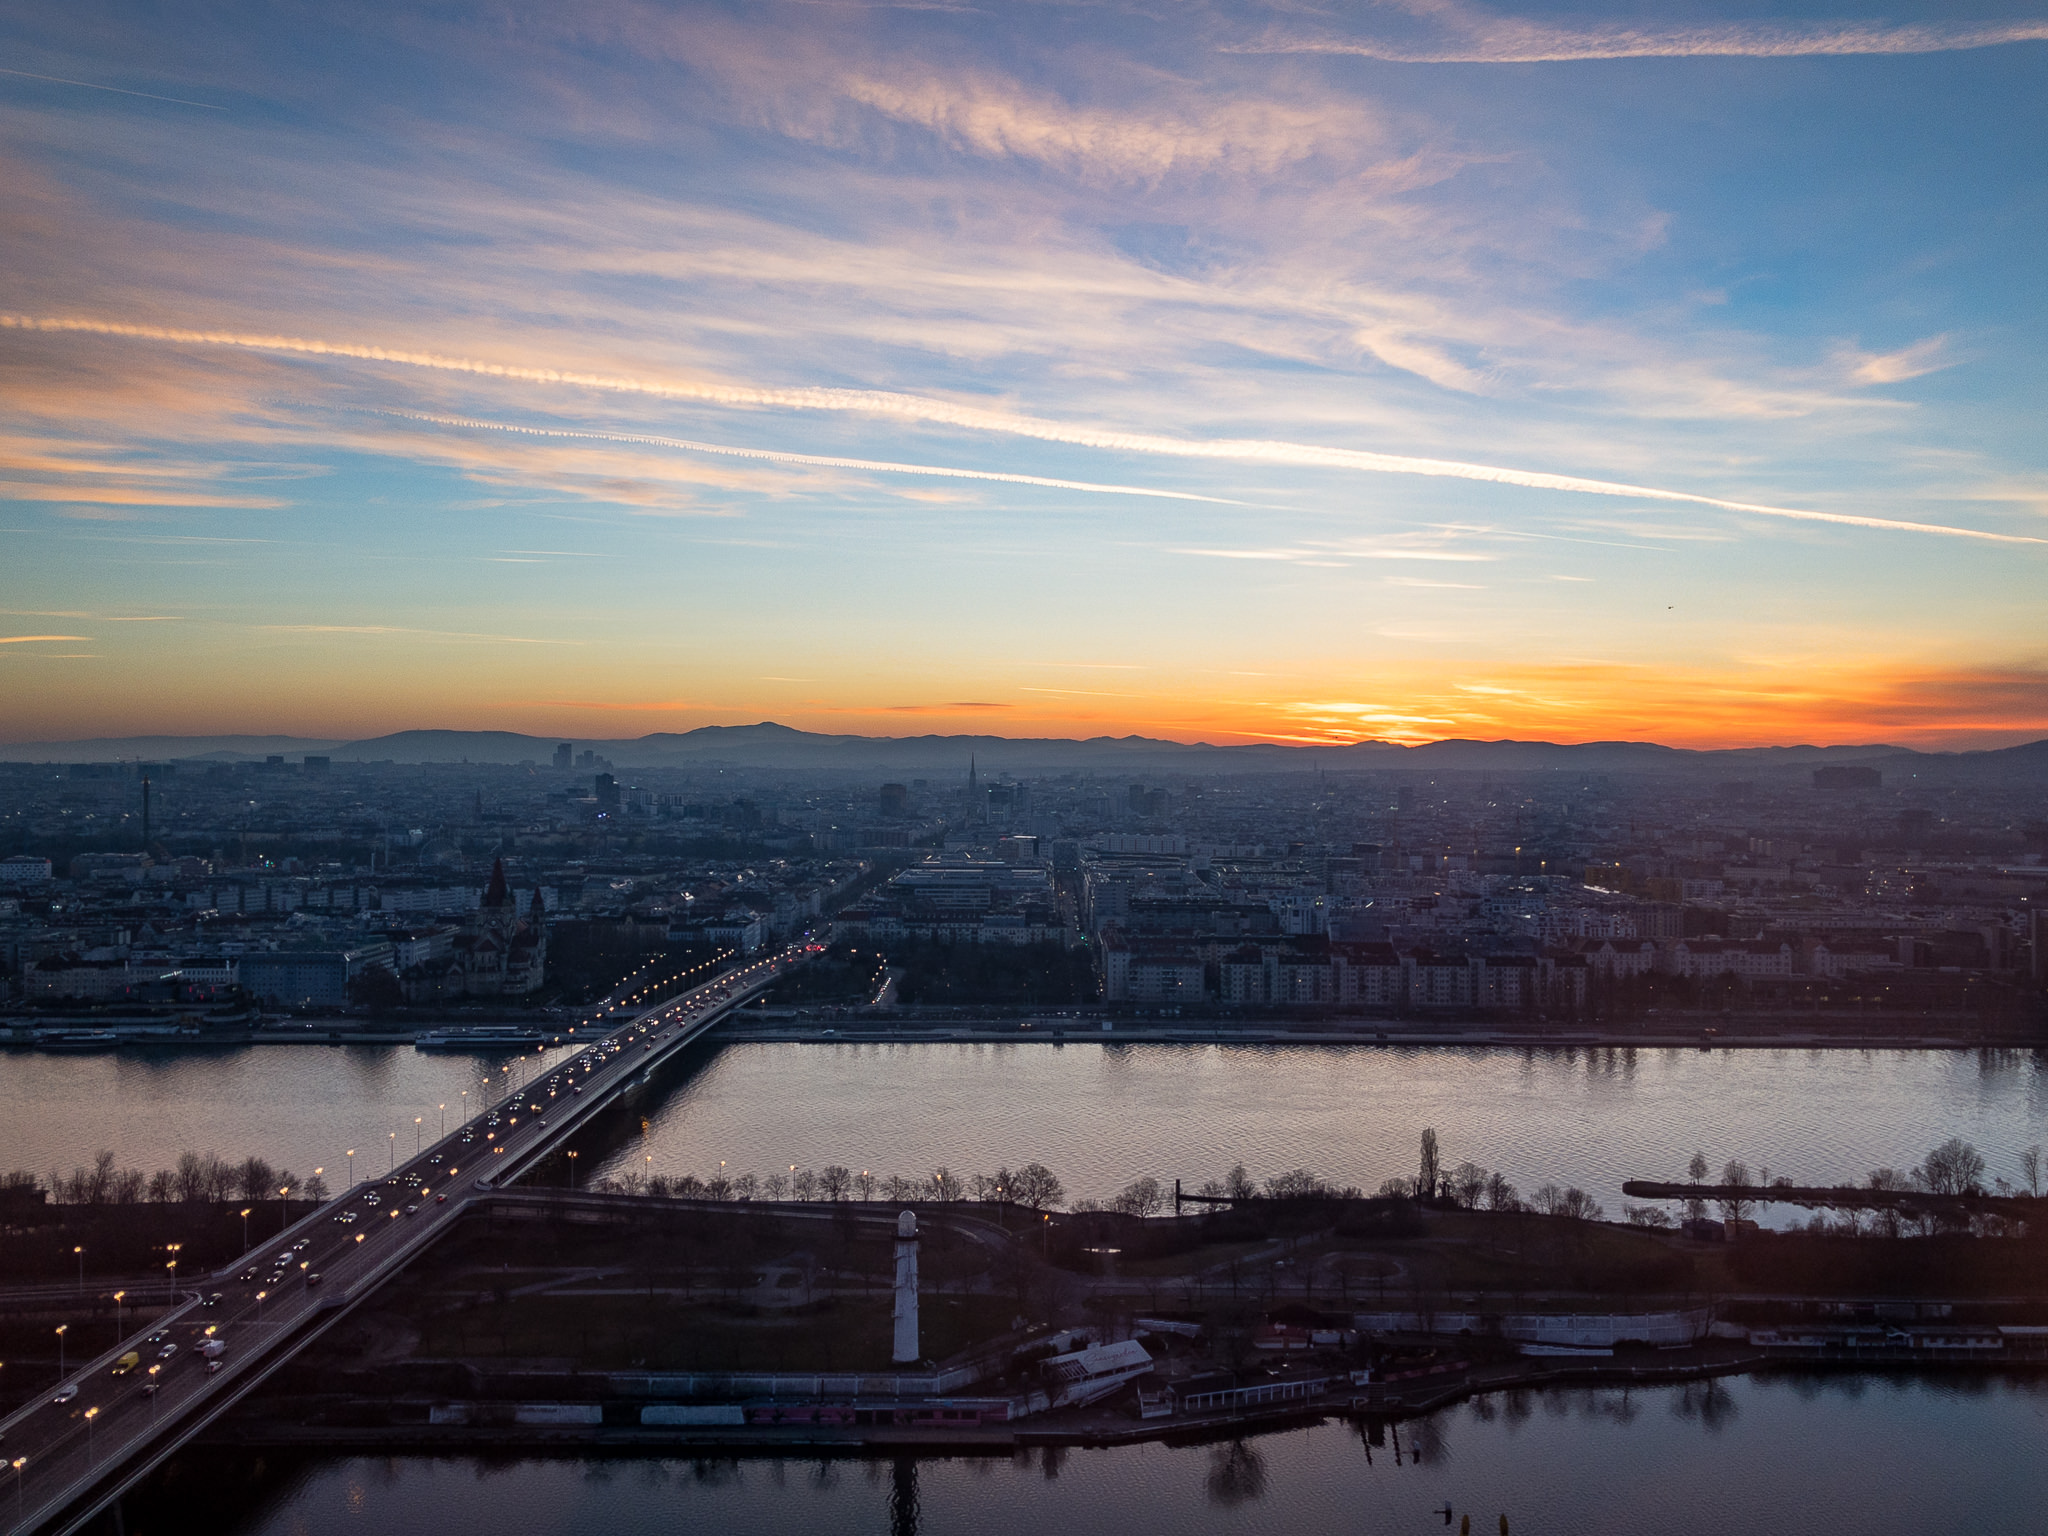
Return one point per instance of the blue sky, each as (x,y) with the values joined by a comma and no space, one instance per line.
(1398,369)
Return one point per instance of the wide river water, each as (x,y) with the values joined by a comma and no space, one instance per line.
(1874,1456)
(1098,1115)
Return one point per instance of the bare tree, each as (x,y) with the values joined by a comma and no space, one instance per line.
(1696,1172)
(1468,1183)
(1500,1194)
(316,1189)
(863,1181)
(1735,1177)
(1036,1185)
(254,1178)
(2030,1169)
(835,1181)
(191,1178)
(1239,1185)
(1953,1168)
(1141,1198)
(1429,1168)
(804,1186)
(163,1186)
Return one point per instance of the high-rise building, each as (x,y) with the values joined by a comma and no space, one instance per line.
(565,755)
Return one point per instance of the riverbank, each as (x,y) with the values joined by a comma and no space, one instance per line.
(270,1424)
(1709,1031)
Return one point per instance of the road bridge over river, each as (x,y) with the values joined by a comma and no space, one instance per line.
(81,1444)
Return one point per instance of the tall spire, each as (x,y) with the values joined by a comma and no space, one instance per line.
(497,893)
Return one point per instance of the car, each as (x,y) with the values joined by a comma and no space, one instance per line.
(158,1337)
(347,1218)
(373,1199)
(286,1256)
(435,1160)
(149,1388)
(313,1278)
(440,1199)
(214,1365)
(212,1301)
(167,1351)
(413,1209)
(247,1274)
(127,1363)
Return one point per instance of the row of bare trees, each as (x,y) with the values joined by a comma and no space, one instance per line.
(1033,1184)
(200,1178)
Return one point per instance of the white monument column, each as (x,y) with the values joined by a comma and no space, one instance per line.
(906,1351)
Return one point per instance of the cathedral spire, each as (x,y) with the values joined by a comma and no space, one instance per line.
(497,893)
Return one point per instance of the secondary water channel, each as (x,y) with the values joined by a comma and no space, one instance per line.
(1877,1456)
(1098,1115)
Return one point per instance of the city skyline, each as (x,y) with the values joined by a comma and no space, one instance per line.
(1414,371)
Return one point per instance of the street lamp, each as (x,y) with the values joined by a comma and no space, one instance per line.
(117,1311)
(61,1327)
(259,1304)
(18,1463)
(351,1167)
(441,1129)
(90,1415)
(416,1119)
(572,1170)
(394,1149)
(284,1210)
(172,1250)
(245,1226)
(80,1252)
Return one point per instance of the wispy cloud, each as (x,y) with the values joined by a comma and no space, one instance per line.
(925,409)
(1457,33)
(38,639)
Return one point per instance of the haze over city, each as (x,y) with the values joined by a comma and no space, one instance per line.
(1227,372)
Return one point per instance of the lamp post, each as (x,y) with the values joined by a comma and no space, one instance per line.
(61,1327)
(441,1130)
(90,1415)
(245,1227)
(117,1312)
(259,1304)
(416,1119)
(351,1167)
(80,1254)
(172,1250)
(572,1171)
(284,1210)
(18,1463)
(154,1395)
(393,1138)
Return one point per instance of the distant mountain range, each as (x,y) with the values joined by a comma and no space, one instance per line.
(768,745)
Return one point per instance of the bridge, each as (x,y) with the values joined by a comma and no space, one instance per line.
(82,1443)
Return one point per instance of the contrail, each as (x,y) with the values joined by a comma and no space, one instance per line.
(117,90)
(1546,46)
(779,456)
(946,413)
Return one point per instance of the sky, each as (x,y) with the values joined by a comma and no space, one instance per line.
(1392,369)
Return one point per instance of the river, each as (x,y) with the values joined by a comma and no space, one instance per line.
(1098,1115)
(1876,1456)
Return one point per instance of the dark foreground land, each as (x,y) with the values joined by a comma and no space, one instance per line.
(551,1319)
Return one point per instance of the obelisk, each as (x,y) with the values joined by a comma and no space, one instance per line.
(907,1351)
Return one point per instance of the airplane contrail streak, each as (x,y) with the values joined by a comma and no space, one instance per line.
(827,461)
(973,418)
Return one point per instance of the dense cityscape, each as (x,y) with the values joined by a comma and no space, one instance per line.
(201,896)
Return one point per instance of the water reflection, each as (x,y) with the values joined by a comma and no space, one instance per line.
(1886,1456)
(1237,1474)
(1710,1402)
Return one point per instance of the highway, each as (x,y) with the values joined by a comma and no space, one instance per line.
(67,1454)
